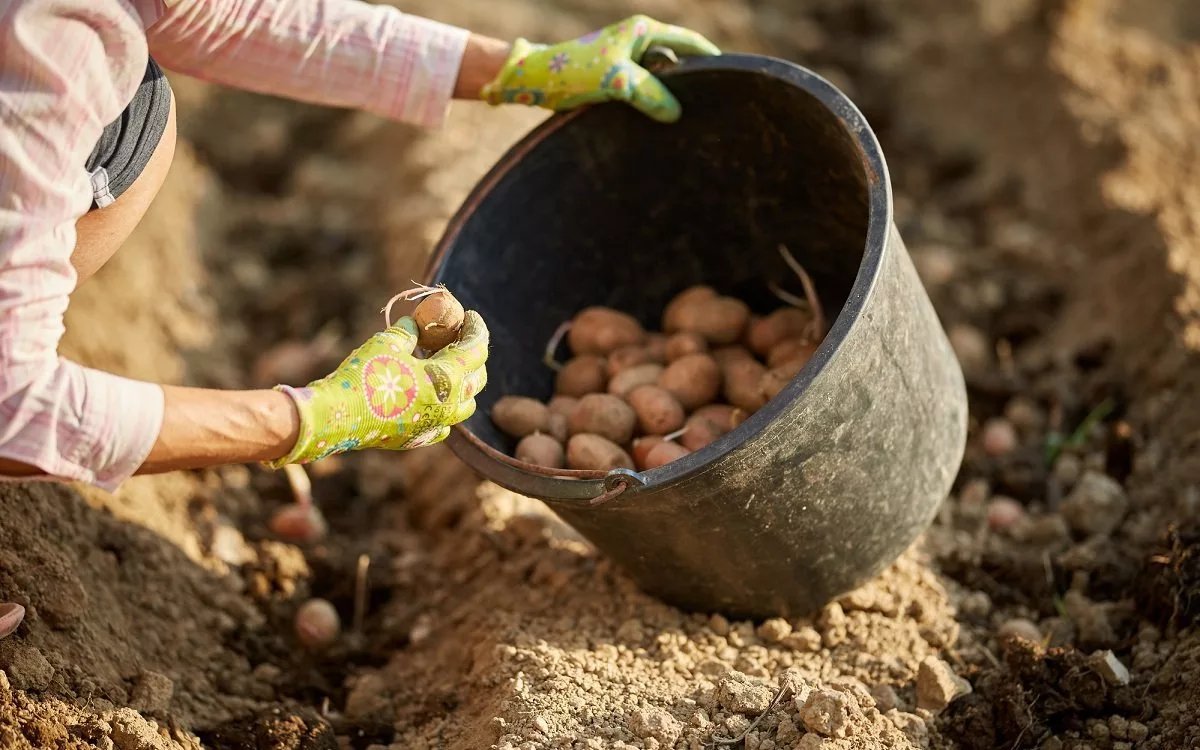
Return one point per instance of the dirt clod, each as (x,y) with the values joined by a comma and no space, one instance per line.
(742,694)
(1096,505)
(938,686)
(152,693)
(26,666)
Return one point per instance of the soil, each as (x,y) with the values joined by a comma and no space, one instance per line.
(1043,154)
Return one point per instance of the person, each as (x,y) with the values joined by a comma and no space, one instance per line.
(87,136)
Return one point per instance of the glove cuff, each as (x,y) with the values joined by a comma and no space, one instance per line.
(302,451)
(495,92)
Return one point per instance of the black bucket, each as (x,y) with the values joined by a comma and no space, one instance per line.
(836,476)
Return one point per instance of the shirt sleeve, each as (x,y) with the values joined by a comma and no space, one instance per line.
(342,53)
(67,67)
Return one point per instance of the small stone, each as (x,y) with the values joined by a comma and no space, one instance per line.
(1118,727)
(656,723)
(1003,513)
(719,625)
(738,693)
(999,437)
(1067,469)
(913,726)
(1019,627)
(152,693)
(132,732)
(543,726)
(827,712)
(786,732)
(804,639)
(1107,665)
(774,630)
(28,668)
(1098,729)
(735,724)
(885,697)
(1096,505)
(976,605)
(937,685)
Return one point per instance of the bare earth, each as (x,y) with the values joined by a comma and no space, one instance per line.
(1044,156)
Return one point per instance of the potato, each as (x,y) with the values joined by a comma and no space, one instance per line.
(726,354)
(600,330)
(682,301)
(724,416)
(626,357)
(439,318)
(541,450)
(789,349)
(605,415)
(719,320)
(556,427)
(563,405)
(518,416)
(629,379)
(656,348)
(700,432)
(663,454)
(658,412)
(785,323)
(777,378)
(642,447)
(581,376)
(683,344)
(587,451)
(742,384)
(694,380)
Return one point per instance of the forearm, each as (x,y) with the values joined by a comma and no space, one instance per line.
(481,63)
(210,428)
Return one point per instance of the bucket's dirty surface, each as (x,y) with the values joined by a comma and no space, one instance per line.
(832,479)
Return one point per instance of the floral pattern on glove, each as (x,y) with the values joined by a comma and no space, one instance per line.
(600,66)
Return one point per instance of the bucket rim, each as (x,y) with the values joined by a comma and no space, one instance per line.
(582,488)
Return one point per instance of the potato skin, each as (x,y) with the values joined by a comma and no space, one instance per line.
(694,380)
(685,343)
(785,323)
(641,448)
(557,427)
(626,357)
(582,375)
(658,412)
(541,450)
(439,318)
(656,348)
(720,320)
(663,454)
(563,405)
(605,415)
(742,384)
(587,451)
(682,301)
(777,378)
(601,330)
(627,380)
(518,416)
(790,349)
(726,354)
(700,432)
(723,415)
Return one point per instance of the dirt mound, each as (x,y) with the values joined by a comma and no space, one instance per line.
(1043,155)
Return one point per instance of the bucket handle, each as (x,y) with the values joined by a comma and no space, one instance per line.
(615,483)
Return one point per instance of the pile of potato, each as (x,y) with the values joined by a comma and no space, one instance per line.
(636,399)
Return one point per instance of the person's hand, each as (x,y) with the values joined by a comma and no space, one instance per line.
(601,66)
(383,396)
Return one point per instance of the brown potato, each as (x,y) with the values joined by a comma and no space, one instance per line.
(682,301)
(789,349)
(642,447)
(587,451)
(694,380)
(663,454)
(658,412)
(563,405)
(742,384)
(605,415)
(518,416)
(556,427)
(600,330)
(724,416)
(627,380)
(699,433)
(581,376)
(720,320)
(626,357)
(785,323)
(726,354)
(439,318)
(541,450)
(777,378)
(656,348)
(683,344)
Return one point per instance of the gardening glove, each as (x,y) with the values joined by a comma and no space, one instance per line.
(383,396)
(601,66)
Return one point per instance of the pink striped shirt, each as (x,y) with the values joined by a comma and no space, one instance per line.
(67,69)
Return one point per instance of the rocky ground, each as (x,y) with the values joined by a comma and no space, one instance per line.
(1044,155)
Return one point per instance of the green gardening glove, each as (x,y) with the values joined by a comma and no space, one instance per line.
(601,66)
(383,396)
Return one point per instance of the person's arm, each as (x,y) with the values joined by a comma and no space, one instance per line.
(342,53)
